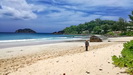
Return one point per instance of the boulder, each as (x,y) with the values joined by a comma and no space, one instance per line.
(95,39)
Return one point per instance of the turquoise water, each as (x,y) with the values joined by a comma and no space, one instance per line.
(14,37)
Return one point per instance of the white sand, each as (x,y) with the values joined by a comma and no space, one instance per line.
(117,39)
(69,58)
(26,50)
(77,64)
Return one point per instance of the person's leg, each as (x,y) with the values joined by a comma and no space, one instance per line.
(86,48)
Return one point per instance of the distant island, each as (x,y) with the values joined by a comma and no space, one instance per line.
(26,30)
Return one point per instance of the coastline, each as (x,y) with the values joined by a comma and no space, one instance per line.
(27,56)
(25,43)
(30,42)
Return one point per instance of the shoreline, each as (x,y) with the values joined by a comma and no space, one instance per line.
(41,42)
(36,42)
(30,43)
(23,44)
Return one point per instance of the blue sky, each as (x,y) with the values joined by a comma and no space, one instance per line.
(54,15)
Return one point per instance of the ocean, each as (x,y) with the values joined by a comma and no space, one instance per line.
(21,37)
(8,40)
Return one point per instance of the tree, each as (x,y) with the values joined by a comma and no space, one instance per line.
(71,30)
(122,24)
(105,28)
(130,26)
(115,27)
(97,30)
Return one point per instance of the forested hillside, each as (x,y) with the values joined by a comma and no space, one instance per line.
(99,26)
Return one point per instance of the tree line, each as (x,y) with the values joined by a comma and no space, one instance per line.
(99,26)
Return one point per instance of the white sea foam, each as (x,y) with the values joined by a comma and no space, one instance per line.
(18,40)
(42,39)
(54,38)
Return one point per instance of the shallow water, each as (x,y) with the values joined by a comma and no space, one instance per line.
(14,37)
(24,39)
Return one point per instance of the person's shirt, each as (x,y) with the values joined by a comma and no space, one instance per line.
(86,43)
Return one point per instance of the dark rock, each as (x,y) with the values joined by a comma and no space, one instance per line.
(87,72)
(26,30)
(123,72)
(108,62)
(59,32)
(95,39)
(109,41)
(100,69)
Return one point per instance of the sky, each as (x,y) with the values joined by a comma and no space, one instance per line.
(46,16)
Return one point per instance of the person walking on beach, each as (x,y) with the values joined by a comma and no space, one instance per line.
(86,45)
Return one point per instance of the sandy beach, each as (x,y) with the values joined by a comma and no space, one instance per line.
(69,58)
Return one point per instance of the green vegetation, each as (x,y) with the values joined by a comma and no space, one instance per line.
(130,25)
(110,33)
(128,33)
(26,30)
(99,26)
(126,58)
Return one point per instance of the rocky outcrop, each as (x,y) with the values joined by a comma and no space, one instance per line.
(95,39)
(59,32)
(26,30)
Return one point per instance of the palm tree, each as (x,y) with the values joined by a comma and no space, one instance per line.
(130,26)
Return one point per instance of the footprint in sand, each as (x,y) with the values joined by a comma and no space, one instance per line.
(9,51)
(57,61)
(21,50)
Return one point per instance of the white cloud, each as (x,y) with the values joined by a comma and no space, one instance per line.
(110,17)
(73,17)
(114,3)
(80,11)
(19,9)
